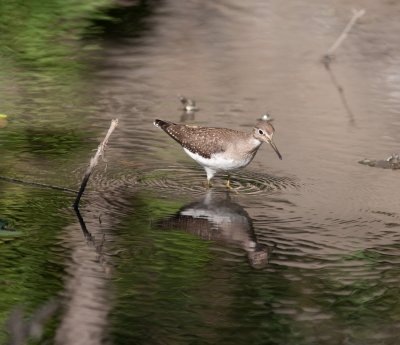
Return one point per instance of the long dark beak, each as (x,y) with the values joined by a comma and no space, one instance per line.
(275,148)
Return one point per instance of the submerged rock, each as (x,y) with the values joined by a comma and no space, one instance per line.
(392,162)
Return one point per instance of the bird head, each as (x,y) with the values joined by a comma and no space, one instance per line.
(264,132)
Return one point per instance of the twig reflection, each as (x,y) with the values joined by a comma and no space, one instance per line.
(82,223)
(340,90)
(90,238)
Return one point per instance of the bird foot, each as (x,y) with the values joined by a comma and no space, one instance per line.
(228,185)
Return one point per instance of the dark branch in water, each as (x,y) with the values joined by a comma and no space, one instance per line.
(328,57)
(94,161)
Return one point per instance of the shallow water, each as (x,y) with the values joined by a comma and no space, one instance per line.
(305,251)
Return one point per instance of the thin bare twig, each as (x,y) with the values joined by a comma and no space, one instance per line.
(327,58)
(94,161)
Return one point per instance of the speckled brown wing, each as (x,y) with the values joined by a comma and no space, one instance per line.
(204,141)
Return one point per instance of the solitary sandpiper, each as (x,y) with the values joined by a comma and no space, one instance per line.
(189,105)
(221,149)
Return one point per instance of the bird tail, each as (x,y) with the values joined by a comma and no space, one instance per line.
(162,124)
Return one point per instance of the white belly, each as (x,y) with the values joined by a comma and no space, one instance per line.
(218,162)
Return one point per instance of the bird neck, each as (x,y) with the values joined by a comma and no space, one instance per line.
(248,145)
(253,144)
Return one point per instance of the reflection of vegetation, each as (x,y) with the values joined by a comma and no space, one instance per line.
(156,207)
(46,50)
(6,235)
(127,21)
(31,267)
(153,175)
(45,141)
(366,255)
(354,297)
(45,34)
(46,58)
(47,95)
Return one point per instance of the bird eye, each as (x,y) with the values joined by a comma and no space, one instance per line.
(260,131)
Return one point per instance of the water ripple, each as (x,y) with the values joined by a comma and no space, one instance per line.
(187,179)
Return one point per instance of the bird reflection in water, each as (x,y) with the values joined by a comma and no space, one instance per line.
(221,220)
(189,108)
(187,116)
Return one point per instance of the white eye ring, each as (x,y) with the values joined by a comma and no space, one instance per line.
(260,131)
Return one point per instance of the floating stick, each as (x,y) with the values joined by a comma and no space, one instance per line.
(327,58)
(94,161)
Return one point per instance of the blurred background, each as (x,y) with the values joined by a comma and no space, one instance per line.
(305,251)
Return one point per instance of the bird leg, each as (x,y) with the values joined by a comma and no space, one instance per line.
(207,184)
